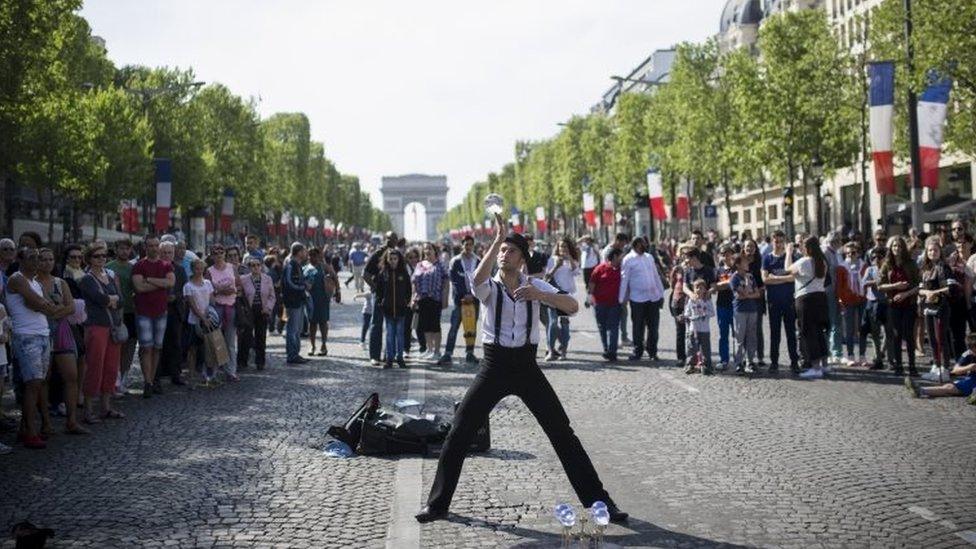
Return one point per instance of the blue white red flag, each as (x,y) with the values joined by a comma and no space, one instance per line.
(881,98)
(931,119)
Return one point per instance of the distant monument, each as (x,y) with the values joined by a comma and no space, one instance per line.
(421,197)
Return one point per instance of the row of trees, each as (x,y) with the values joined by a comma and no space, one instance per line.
(741,119)
(74,125)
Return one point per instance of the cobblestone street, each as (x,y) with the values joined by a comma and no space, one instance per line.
(851,461)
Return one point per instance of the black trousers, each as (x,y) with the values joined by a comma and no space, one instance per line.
(901,327)
(813,322)
(173,355)
(513,371)
(254,337)
(646,319)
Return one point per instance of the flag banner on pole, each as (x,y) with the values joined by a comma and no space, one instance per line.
(881,99)
(589,211)
(608,209)
(227,211)
(540,219)
(682,204)
(516,220)
(931,119)
(655,195)
(164,192)
(327,228)
(283,224)
(130,215)
(311,226)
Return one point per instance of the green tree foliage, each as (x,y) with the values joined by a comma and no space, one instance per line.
(944,39)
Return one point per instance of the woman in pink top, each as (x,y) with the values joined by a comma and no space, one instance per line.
(226,283)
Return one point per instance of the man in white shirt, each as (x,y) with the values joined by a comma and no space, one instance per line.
(641,287)
(511,337)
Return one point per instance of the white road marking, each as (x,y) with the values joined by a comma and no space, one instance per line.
(679,383)
(404,530)
(930,516)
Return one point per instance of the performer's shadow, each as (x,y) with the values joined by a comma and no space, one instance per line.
(641,534)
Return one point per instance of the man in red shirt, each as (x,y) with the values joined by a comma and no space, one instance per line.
(604,289)
(151,278)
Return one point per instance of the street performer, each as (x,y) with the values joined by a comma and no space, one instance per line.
(510,332)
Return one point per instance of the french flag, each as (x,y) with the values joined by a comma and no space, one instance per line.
(655,194)
(608,209)
(931,119)
(227,211)
(589,210)
(682,204)
(540,219)
(516,220)
(164,193)
(881,97)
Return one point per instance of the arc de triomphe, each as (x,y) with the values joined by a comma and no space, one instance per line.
(428,190)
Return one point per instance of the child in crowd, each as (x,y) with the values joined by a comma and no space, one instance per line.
(852,302)
(697,314)
(723,303)
(965,366)
(367,317)
(745,303)
(874,309)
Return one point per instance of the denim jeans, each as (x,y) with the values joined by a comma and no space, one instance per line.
(836,329)
(725,322)
(872,325)
(394,337)
(852,316)
(376,332)
(558,329)
(293,332)
(608,322)
(782,318)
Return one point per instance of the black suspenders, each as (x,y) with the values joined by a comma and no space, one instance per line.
(499,302)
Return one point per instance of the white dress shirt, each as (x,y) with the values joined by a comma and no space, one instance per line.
(639,277)
(589,256)
(514,313)
(564,276)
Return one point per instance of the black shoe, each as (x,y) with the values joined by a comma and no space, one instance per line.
(740,368)
(773,369)
(611,358)
(471,359)
(616,515)
(401,363)
(707,371)
(444,360)
(147,390)
(876,365)
(260,367)
(178,381)
(429,515)
(912,371)
(898,370)
(388,364)
(158,388)
(794,367)
(634,358)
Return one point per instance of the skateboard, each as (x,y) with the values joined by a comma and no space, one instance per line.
(469,320)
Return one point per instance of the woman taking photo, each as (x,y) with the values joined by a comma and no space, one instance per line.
(899,282)
(561,272)
(430,287)
(323,282)
(809,273)
(102,353)
(223,277)
(63,348)
(933,299)
(394,292)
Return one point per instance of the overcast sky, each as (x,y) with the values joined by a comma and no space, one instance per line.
(394,86)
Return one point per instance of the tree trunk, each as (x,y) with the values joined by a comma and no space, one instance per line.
(50,214)
(762,189)
(728,206)
(806,202)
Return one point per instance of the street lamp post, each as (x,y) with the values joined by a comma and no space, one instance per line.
(916,172)
(816,169)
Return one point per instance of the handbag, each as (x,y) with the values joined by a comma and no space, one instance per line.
(120,334)
(216,349)
(243,314)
